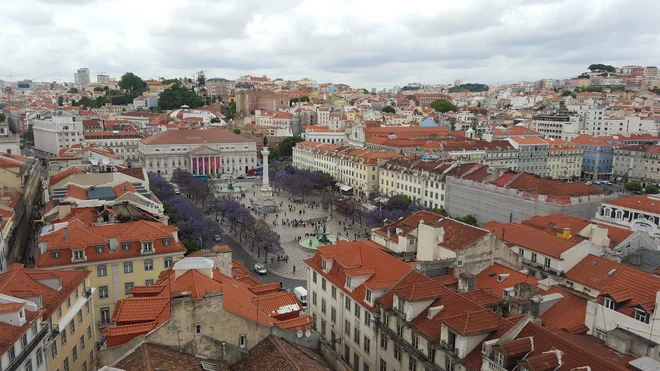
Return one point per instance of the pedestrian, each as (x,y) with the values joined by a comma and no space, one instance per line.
(294,269)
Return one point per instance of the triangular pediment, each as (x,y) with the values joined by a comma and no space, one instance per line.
(204,150)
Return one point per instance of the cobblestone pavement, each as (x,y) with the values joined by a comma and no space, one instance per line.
(288,235)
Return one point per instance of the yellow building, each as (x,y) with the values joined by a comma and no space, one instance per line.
(54,319)
(119,256)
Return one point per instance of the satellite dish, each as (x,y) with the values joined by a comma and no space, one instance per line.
(418,267)
(299,333)
(308,333)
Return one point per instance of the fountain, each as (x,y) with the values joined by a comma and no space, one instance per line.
(231,188)
(322,238)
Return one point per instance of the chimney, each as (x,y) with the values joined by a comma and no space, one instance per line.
(567,234)
(441,235)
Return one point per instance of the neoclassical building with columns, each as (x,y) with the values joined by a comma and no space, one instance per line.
(211,151)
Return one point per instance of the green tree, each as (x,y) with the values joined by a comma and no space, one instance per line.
(230,112)
(201,78)
(3,117)
(73,91)
(475,88)
(215,120)
(131,82)
(60,101)
(566,93)
(651,189)
(634,186)
(389,109)
(584,75)
(468,219)
(177,96)
(28,136)
(601,68)
(98,88)
(286,146)
(443,105)
(237,131)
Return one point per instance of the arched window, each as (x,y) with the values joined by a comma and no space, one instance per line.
(608,211)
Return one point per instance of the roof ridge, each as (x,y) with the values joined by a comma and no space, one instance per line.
(147,356)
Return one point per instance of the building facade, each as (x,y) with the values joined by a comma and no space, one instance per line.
(57,131)
(47,322)
(119,256)
(210,151)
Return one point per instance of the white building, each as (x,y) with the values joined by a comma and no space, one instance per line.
(322,134)
(57,131)
(279,124)
(323,116)
(533,154)
(123,142)
(211,151)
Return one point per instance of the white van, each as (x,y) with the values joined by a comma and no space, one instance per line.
(177,189)
(301,294)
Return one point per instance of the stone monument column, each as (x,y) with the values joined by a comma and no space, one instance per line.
(266,182)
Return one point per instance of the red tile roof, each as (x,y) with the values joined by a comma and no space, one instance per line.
(556,223)
(568,312)
(648,203)
(489,279)
(275,354)
(139,310)
(82,236)
(194,136)
(11,307)
(56,178)
(629,287)
(483,297)
(358,254)
(530,238)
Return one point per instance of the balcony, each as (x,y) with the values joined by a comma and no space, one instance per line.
(492,366)
(542,267)
(449,348)
(18,361)
(103,323)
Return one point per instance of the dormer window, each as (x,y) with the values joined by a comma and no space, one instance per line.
(126,246)
(641,315)
(55,254)
(78,254)
(99,249)
(147,247)
(609,303)
(166,241)
(367,296)
(348,281)
(324,264)
(499,358)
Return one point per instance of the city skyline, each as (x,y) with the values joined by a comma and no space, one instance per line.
(354,42)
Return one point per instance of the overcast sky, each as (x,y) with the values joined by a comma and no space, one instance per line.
(363,43)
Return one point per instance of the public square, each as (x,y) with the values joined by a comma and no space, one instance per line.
(294,267)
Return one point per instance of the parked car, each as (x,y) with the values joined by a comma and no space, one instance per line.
(240,177)
(217,238)
(588,182)
(596,181)
(607,182)
(259,268)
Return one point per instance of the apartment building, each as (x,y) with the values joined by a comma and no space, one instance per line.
(560,126)
(123,142)
(533,153)
(211,151)
(355,169)
(421,180)
(321,134)
(639,162)
(47,320)
(274,123)
(119,256)
(598,155)
(564,159)
(55,131)
(622,311)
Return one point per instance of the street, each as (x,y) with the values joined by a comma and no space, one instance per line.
(239,254)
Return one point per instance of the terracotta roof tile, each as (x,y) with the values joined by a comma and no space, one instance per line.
(555,224)
(10,307)
(530,238)
(518,346)
(491,278)
(188,136)
(646,203)
(139,309)
(161,358)
(275,354)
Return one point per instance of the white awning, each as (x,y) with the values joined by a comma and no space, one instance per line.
(345,188)
(340,185)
